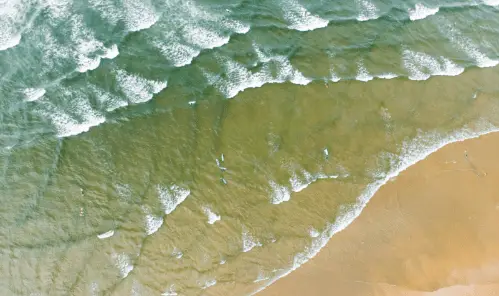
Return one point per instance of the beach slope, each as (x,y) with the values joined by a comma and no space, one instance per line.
(433,230)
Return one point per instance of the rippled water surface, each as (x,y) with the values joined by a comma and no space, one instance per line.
(209,147)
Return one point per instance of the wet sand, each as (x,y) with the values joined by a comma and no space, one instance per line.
(433,230)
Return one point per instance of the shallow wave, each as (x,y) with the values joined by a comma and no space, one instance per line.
(299,18)
(468,47)
(138,89)
(136,15)
(422,66)
(367,10)
(74,114)
(410,153)
(66,124)
(362,73)
(237,77)
(88,50)
(269,69)
(139,15)
(191,28)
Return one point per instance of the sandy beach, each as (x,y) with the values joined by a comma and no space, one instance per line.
(433,230)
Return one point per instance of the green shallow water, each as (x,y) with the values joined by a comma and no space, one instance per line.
(219,147)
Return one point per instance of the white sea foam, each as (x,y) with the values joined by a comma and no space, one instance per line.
(33,94)
(209,283)
(212,217)
(249,242)
(298,183)
(410,153)
(172,196)
(108,101)
(387,76)
(491,2)
(203,37)
(111,52)
(123,263)
(53,51)
(107,10)
(422,66)
(177,253)
(139,15)
(367,10)
(334,77)
(261,277)
(124,191)
(235,26)
(467,46)
(178,54)
(313,232)
(88,50)
(94,288)
(85,44)
(58,9)
(420,12)
(191,28)
(262,57)
(12,14)
(170,292)
(299,18)
(65,124)
(279,193)
(238,77)
(362,73)
(153,223)
(8,40)
(138,89)
(106,234)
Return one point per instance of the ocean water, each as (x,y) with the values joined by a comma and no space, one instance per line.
(210,147)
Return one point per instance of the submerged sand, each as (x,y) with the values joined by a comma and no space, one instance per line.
(433,230)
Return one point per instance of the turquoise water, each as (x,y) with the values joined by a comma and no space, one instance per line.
(209,147)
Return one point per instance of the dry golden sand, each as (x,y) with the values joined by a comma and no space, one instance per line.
(434,230)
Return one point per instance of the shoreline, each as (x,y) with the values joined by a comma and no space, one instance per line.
(406,163)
